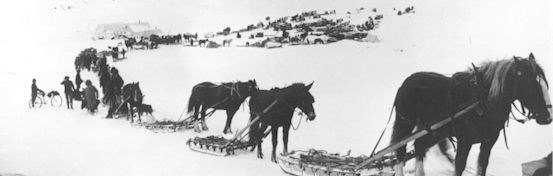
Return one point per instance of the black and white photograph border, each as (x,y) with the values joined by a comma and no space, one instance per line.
(267,87)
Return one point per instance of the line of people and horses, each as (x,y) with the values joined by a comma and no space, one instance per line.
(122,99)
(423,99)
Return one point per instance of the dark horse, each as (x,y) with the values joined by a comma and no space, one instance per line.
(227,96)
(202,42)
(132,98)
(280,115)
(425,98)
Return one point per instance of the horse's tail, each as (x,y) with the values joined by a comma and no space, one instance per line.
(192,101)
(402,127)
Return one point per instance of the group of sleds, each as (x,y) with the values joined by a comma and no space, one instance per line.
(469,107)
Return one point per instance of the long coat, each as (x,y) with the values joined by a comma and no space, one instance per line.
(90,95)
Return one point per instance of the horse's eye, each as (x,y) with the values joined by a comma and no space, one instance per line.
(519,73)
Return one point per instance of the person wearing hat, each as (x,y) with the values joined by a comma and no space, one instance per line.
(68,90)
(91,96)
(34,90)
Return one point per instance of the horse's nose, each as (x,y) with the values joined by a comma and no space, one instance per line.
(311,116)
(545,120)
(548,121)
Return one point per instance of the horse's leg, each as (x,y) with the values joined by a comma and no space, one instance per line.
(252,132)
(461,157)
(484,156)
(230,115)
(259,141)
(139,113)
(444,147)
(285,131)
(274,136)
(196,119)
(130,112)
(202,113)
(421,145)
(401,129)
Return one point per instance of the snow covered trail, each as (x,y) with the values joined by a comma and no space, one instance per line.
(355,84)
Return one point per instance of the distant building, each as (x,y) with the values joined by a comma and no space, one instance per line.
(125,30)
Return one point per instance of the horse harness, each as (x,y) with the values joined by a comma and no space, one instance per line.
(300,113)
(234,89)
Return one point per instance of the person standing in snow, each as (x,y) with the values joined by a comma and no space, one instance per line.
(123,51)
(69,89)
(78,80)
(114,92)
(34,91)
(91,96)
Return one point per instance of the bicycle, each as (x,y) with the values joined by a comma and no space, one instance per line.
(53,97)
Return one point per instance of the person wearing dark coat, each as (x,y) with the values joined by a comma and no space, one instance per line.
(114,92)
(91,97)
(69,90)
(78,80)
(34,91)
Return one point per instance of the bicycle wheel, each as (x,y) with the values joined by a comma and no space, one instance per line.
(37,103)
(56,101)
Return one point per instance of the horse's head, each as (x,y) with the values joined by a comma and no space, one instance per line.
(531,89)
(132,92)
(252,86)
(305,101)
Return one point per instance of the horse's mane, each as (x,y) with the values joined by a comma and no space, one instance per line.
(294,86)
(495,73)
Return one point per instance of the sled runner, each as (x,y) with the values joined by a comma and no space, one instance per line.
(167,126)
(220,146)
(321,163)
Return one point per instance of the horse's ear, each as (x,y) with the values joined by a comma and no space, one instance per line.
(477,74)
(309,86)
(516,59)
(531,57)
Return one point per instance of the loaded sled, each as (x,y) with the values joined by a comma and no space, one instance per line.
(220,146)
(321,163)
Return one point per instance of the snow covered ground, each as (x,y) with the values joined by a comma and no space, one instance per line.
(354,87)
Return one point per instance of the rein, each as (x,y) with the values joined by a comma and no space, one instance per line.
(383,131)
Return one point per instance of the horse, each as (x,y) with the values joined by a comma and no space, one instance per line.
(227,42)
(303,36)
(425,98)
(202,41)
(280,115)
(129,43)
(227,96)
(132,98)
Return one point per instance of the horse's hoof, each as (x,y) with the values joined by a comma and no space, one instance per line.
(260,156)
(273,159)
(197,130)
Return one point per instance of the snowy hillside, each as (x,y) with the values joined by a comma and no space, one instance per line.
(354,83)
